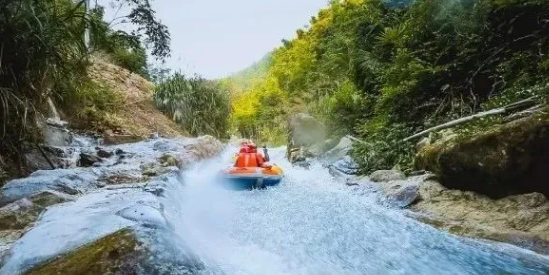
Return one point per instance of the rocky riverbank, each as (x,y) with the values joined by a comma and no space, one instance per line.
(103,213)
(486,186)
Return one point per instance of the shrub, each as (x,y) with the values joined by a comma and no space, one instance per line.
(200,105)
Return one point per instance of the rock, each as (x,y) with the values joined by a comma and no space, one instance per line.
(110,138)
(417,173)
(119,152)
(205,147)
(7,239)
(507,159)
(50,197)
(340,151)
(403,196)
(531,200)
(104,154)
(118,253)
(55,133)
(305,134)
(143,214)
(154,136)
(150,172)
(521,220)
(386,175)
(121,178)
(60,158)
(19,214)
(169,160)
(163,146)
(88,160)
(72,182)
(525,240)
(345,165)
(77,232)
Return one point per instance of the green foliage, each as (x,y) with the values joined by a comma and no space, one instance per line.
(43,56)
(383,70)
(125,50)
(201,106)
(384,148)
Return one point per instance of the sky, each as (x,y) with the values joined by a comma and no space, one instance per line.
(217,38)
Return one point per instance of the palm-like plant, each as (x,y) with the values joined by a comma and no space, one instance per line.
(201,106)
(43,54)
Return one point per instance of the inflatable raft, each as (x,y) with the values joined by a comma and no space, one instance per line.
(245,178)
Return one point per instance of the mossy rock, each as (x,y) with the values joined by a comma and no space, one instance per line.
(118,253)
(506,160)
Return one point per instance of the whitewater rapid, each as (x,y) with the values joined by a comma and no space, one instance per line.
(313,224)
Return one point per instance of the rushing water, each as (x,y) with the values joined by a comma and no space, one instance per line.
(311,224)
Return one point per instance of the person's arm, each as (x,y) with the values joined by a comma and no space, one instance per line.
(266,153)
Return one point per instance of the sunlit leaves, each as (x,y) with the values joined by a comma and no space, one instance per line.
(199,105)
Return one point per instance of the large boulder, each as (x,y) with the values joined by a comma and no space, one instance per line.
(72,182)
(117,253)
(521,220)
(205,147)
(306,138)
(42,158)
(340,151)
(121,231)
(123,252)
(508,159)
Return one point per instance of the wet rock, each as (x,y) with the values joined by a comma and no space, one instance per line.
(531,241)
(121,179)
(154,136)
(118,253)
(386,175)
(345,165)
(19,214)
(7,239)
(50,197)
(305,134)
(150,172)
(55,133)
(163,146)
(104,154)
(521,220)
(504,160)
(88,160)
(119,152)
(143,214)
(340,151)
(111,138)
(72,182)
(169,160)
(155,190)
(59,157)
(403,196)
(205,147)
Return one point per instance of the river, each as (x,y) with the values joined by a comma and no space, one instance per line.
(312,224)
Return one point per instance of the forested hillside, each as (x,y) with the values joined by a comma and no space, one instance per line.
(382,72)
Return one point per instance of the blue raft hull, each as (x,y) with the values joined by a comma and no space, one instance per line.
(248,183)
